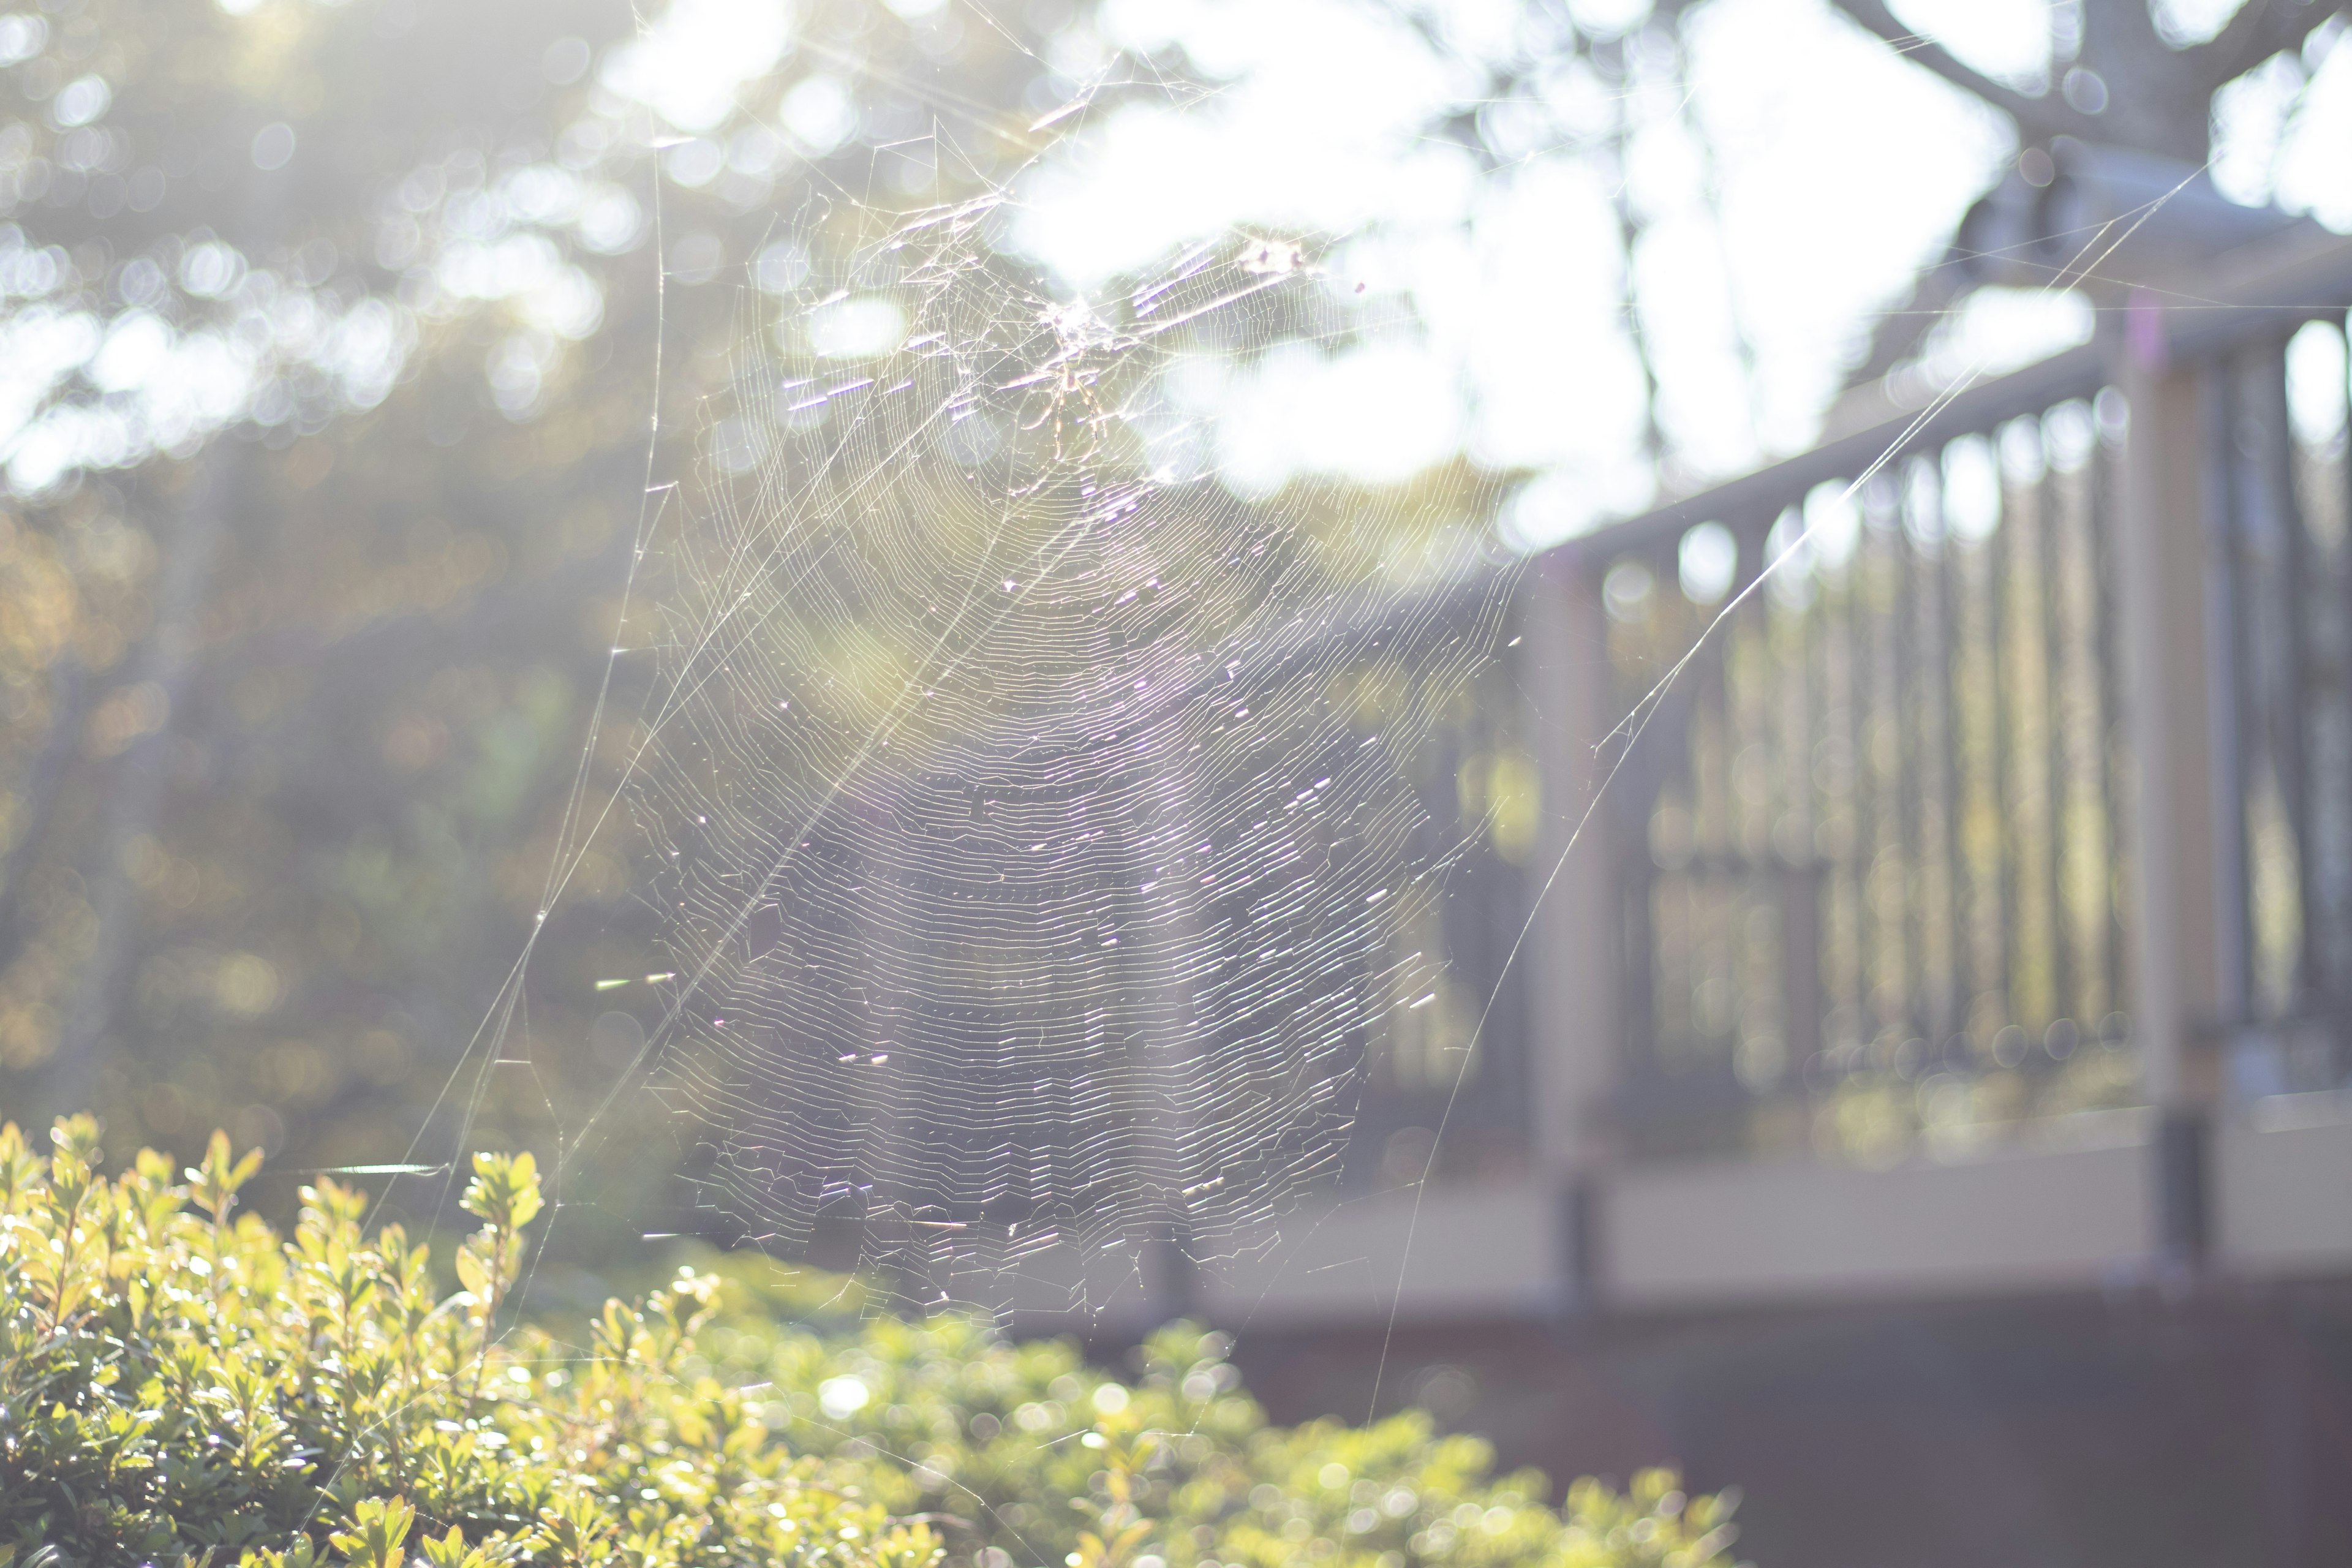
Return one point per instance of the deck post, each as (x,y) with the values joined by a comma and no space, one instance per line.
(2171,592)
(1571,962)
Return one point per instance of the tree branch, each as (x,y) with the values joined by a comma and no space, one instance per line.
(2039,118)
(2261,29)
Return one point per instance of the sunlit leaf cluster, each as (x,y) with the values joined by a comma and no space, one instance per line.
(175,1378)
(1041,1459)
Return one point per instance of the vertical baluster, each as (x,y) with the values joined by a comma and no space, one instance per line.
(1917,631)
(1892,980)
(1840,810)
(1951,591)
(2339,606)
(2105,465)
(2233,676)
(1633,872)
(1792,610)
(2090,870)
(2288,699)
(2051,519)
(2326,539)
(1708,877)
(2263,539)
(1924,696)
(1998,670)
(1760,1013)
(2023,691)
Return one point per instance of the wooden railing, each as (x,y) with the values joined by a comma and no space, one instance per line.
(1965,907)
(1875,847)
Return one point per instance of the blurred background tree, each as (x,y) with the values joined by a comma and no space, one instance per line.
(333,330)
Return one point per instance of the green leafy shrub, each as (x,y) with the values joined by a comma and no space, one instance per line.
(1004,1434)
(181,1385)
(173,1379)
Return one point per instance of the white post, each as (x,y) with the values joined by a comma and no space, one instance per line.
(1571,959)
(2173,639)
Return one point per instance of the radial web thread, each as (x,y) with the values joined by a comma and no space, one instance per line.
(1029,811)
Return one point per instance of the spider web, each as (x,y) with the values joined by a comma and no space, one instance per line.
(1028,813)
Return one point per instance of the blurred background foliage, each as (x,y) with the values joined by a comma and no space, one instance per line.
(350,318)
(339,334)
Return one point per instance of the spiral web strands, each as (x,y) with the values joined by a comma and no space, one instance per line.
(1028,811)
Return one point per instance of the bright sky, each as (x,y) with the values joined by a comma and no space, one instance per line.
(1836,170)
(1829,171)
(1519,353)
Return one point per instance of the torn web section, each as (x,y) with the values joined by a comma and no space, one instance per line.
(1026,852)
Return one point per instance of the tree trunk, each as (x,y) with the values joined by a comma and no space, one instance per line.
(2147,95)
(205,504)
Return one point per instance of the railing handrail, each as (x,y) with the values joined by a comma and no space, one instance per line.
(1765,492)
(2273,287)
